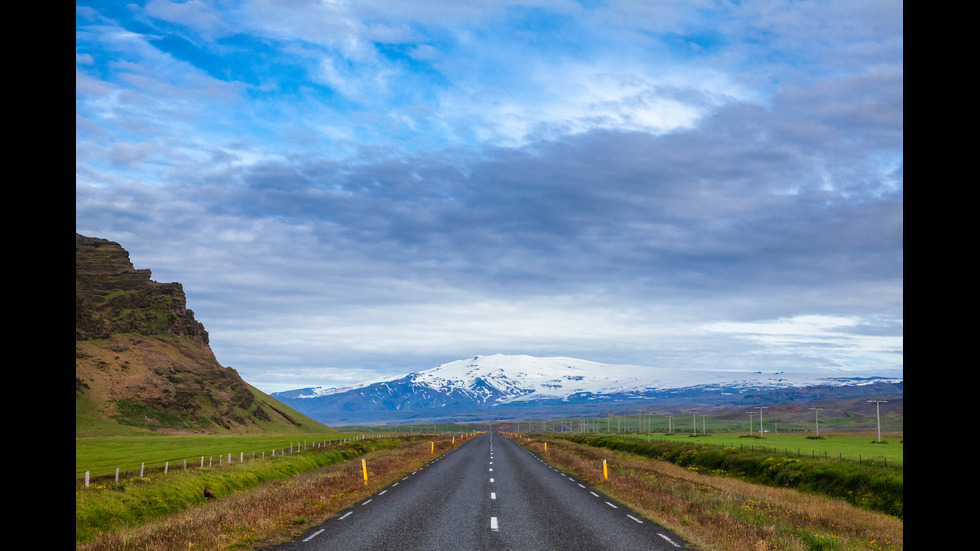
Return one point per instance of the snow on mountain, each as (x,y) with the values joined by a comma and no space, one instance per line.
(500,385)
(502,379)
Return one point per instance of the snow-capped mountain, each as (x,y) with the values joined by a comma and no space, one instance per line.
(506,381)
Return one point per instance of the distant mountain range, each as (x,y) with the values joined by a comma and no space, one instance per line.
(506,386)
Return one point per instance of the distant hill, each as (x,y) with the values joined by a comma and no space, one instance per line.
(143,363)
(514,386)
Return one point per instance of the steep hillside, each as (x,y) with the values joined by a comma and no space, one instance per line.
(143,363)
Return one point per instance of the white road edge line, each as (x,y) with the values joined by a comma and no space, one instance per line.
(611,505)
(349,513)
(493,524)
(636,519)
(672,542)
(318,532)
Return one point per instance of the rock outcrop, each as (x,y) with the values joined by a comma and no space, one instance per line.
(142,361)
(111,296)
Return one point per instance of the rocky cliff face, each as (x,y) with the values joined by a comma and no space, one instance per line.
(111,296)
(143,361)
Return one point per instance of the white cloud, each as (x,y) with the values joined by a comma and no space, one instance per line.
(357,186)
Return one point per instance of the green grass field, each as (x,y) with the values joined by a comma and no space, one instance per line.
(101,455)
(859,446)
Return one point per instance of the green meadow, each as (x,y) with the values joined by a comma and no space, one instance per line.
(858,447)
(102,455)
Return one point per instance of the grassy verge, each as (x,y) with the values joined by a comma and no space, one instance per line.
(284,495)
(722,512)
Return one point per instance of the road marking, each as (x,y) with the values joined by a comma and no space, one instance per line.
(636,519)
(611,505)
(315,535)
(493,495)
(491,480)
(581,485)
(349,513)
(672,542)
(395,484)
(493,524)
(382,492)
(595,494)
(366,502)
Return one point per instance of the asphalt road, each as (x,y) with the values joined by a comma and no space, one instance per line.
(487,494)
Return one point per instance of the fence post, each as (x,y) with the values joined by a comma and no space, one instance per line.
(117,475)
(86,478)
(166,467)
(142,465)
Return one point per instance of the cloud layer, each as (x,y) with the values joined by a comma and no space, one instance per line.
(348,191)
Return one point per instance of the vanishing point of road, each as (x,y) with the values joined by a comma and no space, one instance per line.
(487,494)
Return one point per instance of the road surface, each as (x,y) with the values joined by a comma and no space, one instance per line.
(487,494)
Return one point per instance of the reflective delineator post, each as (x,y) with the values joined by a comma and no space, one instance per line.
(433,450)
(364,468)
(545,446)
(605,472)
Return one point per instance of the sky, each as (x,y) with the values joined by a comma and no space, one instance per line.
(353,190)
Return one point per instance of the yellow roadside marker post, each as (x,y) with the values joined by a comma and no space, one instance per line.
(364,468)
(433,450)
(605,473)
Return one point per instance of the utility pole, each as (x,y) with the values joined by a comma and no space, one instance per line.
(670,423)
(878,414)
(817,419)
(695,414)
(760,408)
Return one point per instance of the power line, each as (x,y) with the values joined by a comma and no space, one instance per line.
(817,411)
(878,414)
(760,408)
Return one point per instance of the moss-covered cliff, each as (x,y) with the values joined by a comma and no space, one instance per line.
(143,362)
